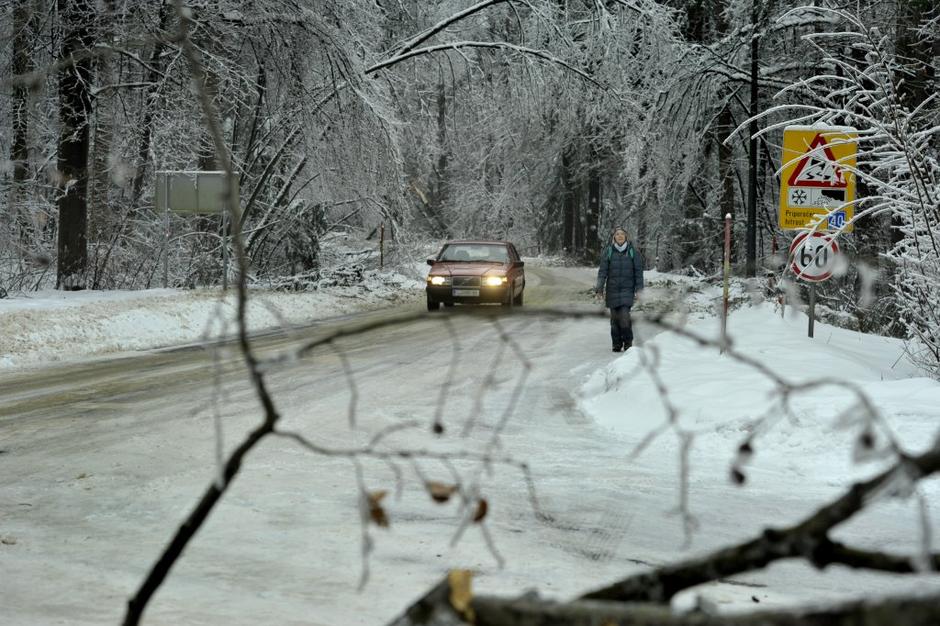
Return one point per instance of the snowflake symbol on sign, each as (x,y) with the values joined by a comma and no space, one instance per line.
(799,196)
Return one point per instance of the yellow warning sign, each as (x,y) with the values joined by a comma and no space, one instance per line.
(817,183)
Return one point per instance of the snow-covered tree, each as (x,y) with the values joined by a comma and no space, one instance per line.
(881,81)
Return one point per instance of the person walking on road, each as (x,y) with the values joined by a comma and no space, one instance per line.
(619,279)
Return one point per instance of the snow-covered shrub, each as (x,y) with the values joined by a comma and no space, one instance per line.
(870,81)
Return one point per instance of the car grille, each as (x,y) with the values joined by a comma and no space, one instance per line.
(466,281)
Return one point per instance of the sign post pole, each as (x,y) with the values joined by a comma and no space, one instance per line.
(196,193)
(812,309)
(727,269)
(813,258)
(224,248)
(166,231)
(382,246)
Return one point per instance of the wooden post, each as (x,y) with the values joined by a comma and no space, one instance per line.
(382,245)
(724,311)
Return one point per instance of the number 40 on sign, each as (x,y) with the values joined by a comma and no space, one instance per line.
(814,256)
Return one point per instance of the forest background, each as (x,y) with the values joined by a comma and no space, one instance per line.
(544,122)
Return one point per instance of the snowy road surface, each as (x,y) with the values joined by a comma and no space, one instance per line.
(102,460)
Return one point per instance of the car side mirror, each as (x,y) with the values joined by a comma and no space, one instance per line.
(519,263)
(430,261)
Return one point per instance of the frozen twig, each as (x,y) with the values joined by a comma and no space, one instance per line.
(350,382)
(808,539)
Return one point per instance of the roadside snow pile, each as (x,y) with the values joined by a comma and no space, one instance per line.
(50,326)
(813,436)
(682,297)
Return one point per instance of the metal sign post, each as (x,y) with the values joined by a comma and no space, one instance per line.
(812,310)
(224,249)
(813,258)
(194,193)
(166,231)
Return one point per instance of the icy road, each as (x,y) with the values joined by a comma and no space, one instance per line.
(100,461)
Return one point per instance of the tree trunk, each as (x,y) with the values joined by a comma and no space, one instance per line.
(210,255)
(725,174)
(146,123)
(577,195)
(438,184)
(916,51)
(74,111)
(101,219)
(592,244)
(572,223)
(643,196)
(22,63)
(751,227)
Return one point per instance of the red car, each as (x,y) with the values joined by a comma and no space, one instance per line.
(473,272)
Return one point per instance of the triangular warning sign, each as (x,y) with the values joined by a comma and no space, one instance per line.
(814,171)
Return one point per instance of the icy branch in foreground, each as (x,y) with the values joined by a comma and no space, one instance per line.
(644,598)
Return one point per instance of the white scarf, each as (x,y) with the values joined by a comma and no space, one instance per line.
(622,248)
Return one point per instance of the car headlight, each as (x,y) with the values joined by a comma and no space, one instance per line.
(439,280)
(494,281)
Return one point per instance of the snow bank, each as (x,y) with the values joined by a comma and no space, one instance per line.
(721,400)
(49,326)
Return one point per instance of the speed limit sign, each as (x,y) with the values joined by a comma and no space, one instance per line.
(813,256)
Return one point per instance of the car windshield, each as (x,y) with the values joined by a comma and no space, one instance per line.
(479,252)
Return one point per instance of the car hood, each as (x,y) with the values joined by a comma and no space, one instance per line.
(468,269)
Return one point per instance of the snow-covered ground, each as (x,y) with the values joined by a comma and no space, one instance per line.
(805,441)
(93,484)
(41,327)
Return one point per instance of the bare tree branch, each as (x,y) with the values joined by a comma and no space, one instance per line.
(439,608)
(185,533)
(456,45)
(807,539)
(417,40)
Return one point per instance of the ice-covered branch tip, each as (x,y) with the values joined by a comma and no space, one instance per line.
(807,540)
(644,598)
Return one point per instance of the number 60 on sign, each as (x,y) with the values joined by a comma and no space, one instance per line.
(814,256)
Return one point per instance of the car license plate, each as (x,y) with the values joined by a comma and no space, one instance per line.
(470,293)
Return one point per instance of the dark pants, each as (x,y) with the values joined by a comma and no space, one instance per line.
(621,329)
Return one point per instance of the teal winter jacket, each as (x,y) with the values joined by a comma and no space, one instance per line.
(620,275)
